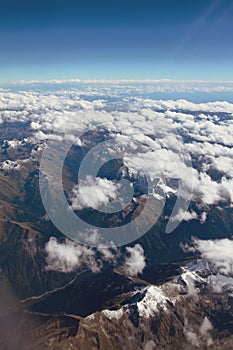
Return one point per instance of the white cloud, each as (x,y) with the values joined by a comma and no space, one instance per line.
(89,237)
(155,85)
(93,193)
(190,280)
(185,216)
(205,327)
(200,337)
(68,256)
(210,191)
(219,283)
(156,136)
(218,253)
(135,262)
(111,253)
(203,217)
(150,345)
(192,338)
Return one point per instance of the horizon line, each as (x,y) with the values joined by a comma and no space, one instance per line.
(114,81)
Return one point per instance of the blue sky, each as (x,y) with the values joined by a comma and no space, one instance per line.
(91,39)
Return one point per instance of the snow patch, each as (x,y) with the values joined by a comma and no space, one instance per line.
(153,301)
(113,314)
(9,165)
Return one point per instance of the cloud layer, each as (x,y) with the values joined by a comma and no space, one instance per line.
(217,252)
(135,261)
(164,139)
(93,193)
(67,257)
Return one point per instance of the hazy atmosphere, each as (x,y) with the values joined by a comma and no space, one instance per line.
(116,175)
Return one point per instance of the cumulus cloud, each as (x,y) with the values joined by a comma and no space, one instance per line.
(192,337)
(206,326)
(176,139)
(68,256)
(218,253)
(190,280)
(185,216)
(135,262)
(150,345)
(89,237)
(110,254)
(200,336)
(93,193)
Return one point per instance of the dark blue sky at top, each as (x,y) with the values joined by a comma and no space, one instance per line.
(179,39)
